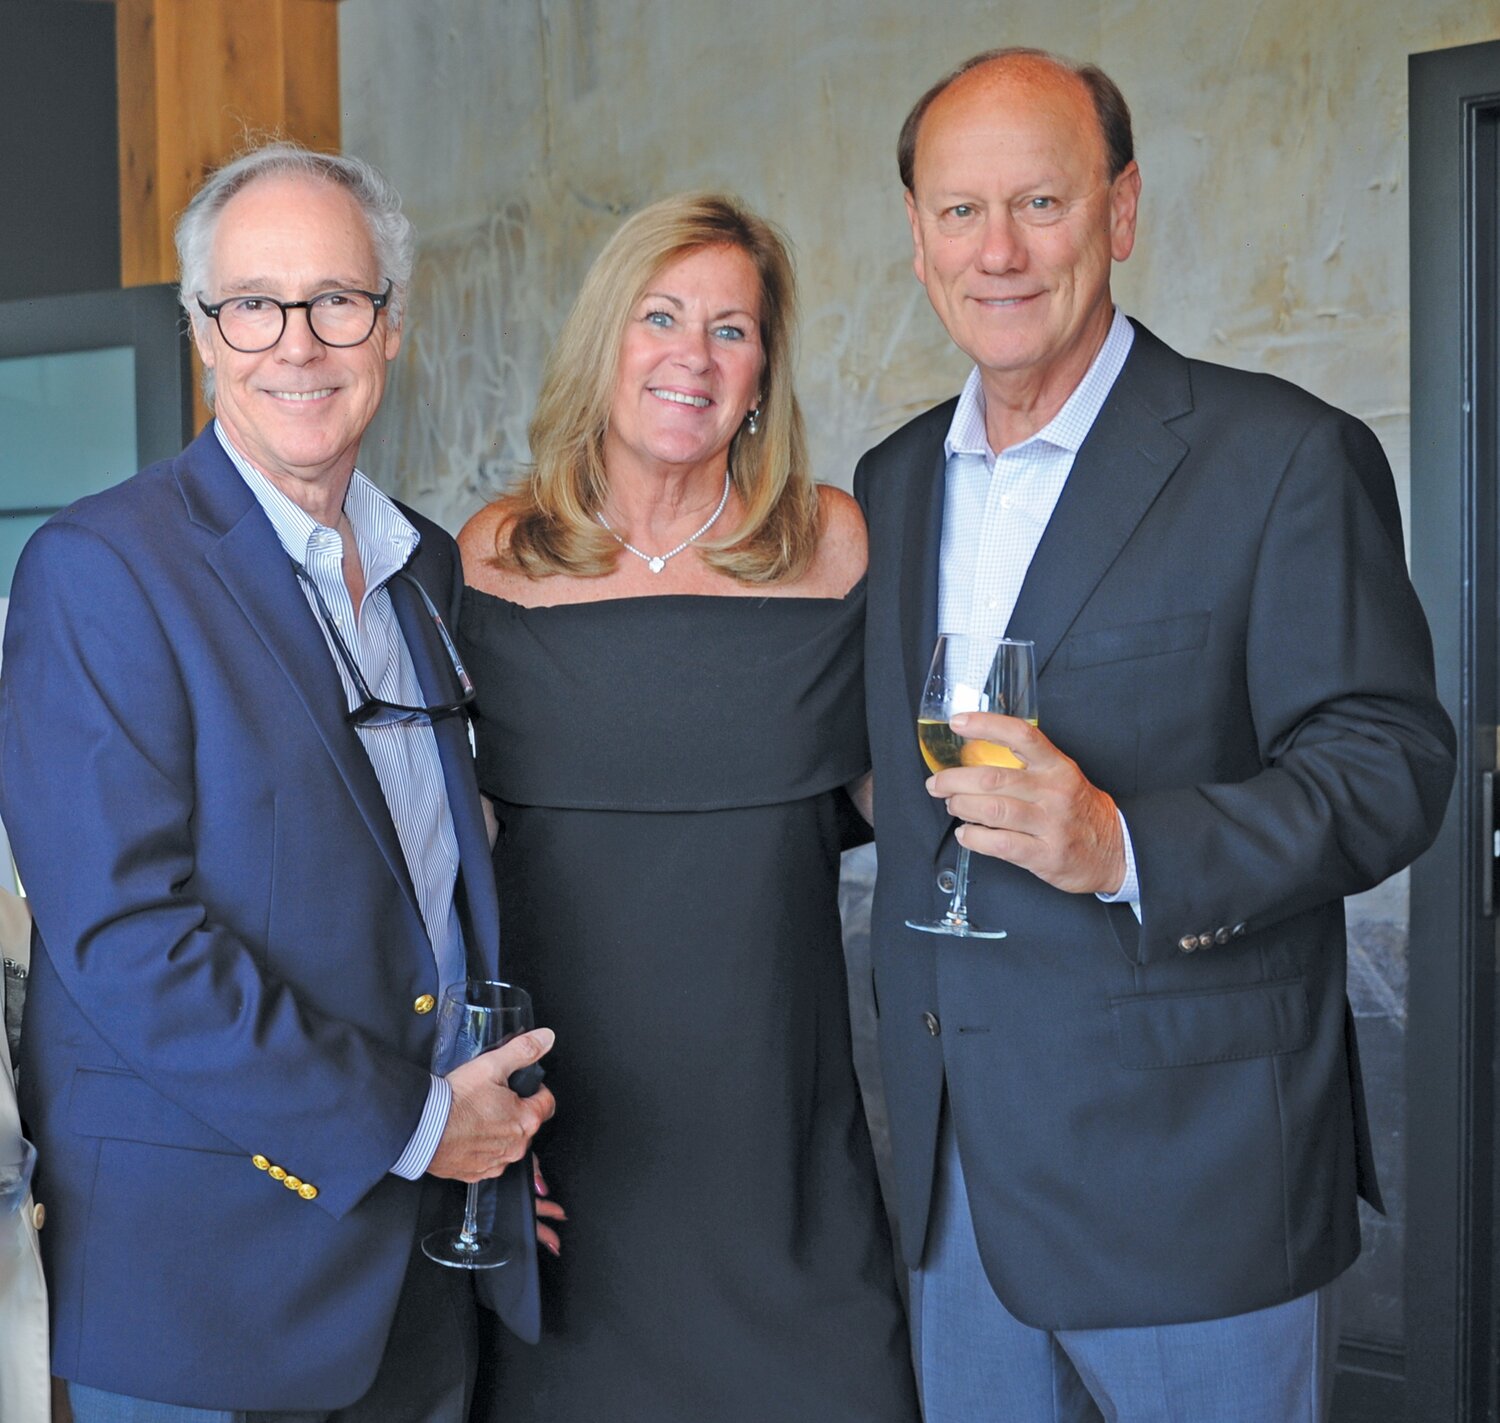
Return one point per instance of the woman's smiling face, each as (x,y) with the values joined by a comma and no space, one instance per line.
(690,364)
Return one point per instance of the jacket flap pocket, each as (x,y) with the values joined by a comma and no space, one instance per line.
(1121,644)
(121,1107)
(1183,1029)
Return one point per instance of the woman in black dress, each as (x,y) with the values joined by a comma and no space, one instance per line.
(665,627)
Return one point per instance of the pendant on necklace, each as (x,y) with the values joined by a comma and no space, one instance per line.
(656,564)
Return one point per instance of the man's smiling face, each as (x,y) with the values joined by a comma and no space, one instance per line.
(298,411)
(1015,221)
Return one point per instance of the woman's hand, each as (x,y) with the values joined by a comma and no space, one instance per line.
(546,1208)
(491,823)
(862,793)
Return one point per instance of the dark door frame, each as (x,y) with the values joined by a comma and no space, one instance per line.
(1451,1019)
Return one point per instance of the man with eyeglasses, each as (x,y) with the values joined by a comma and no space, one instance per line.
(241,797)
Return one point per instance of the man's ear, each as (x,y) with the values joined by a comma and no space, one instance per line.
(917,264)
(204,342)
(1124,201)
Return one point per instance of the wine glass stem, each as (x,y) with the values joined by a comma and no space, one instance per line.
(958,910)
(466,1236)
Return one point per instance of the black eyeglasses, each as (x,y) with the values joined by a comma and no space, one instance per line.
(372,710)
(251,324)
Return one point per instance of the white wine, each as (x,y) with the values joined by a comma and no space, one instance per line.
(943,748)
(970,674)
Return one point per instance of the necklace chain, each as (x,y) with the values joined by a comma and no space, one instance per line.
(658,561)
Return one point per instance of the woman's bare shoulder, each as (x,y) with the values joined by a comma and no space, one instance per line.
(480,544)
(843,549)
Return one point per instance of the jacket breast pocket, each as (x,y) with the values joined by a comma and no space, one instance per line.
(119,1106)
(1184,633)
(1227,1025)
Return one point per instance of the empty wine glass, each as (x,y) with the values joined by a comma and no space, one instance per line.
(476,1016)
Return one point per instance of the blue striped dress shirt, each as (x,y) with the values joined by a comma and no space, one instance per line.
(404,755)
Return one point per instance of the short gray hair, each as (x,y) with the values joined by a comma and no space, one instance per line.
(391,232)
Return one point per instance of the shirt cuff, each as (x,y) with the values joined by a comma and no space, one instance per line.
(1129,891)
(424,1141)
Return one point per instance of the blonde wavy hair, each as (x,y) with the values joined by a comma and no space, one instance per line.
(548,526)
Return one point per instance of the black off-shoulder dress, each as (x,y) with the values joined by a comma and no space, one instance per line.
(666,775)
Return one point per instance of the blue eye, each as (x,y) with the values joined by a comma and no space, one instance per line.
(658,318)
(729,333)
(1041,204)
(961,210)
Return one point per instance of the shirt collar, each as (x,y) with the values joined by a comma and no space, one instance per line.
(1070,426)
(383,535)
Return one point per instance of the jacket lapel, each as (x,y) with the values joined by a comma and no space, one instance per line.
(921,549)
(253,566)
(1128,456)
(920,553)
(478,905)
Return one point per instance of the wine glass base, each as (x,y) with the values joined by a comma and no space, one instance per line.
(955,928)
(481,1251)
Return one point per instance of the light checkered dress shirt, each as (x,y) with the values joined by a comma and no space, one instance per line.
(996,508)
(405,755)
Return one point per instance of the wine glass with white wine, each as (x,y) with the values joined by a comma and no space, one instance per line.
(971,674)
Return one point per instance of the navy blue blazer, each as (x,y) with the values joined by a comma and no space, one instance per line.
(1161,1122)
(229,951)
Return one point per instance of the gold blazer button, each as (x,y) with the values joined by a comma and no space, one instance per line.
(307,1191)
(277,1173)
(292,1183)
(260,1163)
(424,1004)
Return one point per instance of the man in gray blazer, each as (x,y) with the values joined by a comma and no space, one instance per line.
(1129,1136)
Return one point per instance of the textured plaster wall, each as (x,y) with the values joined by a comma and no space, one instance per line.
(1272,138)
(1274,235)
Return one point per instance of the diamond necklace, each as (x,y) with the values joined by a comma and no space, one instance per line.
(657,562)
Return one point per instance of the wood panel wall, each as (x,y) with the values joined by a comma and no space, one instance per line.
(198,81)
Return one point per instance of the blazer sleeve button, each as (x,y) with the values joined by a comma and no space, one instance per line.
(424,1004)
(307,1191)
(1205,941)
(1187,943)
(277,1173)
(1238,932)
(260,1163)
(292,1183)
(1221,935)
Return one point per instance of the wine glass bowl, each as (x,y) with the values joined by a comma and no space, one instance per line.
(475,1016)
(971,674)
